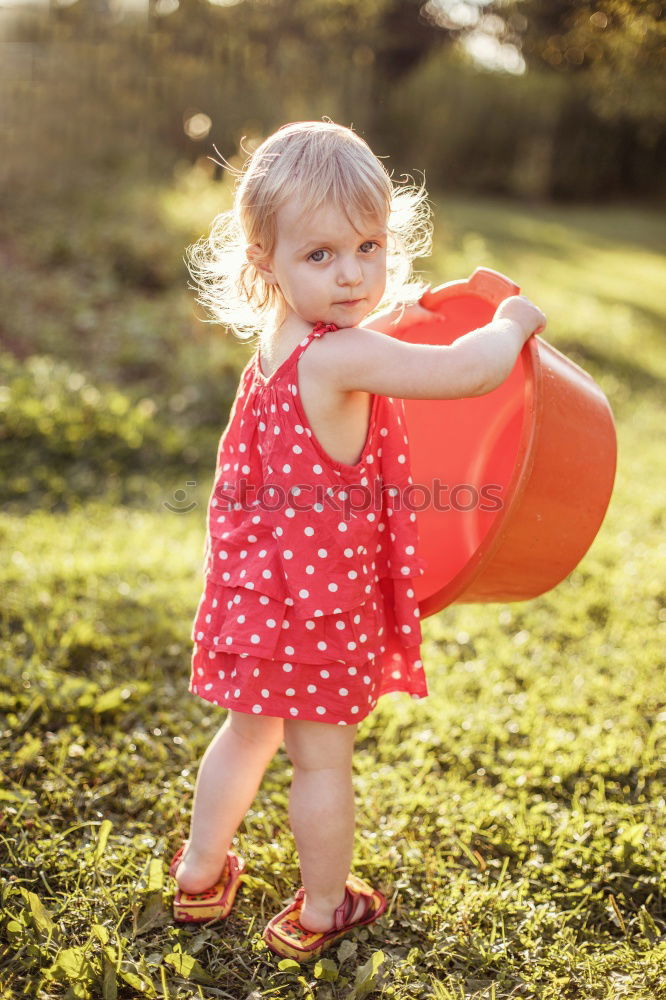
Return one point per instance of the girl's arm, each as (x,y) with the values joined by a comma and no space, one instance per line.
(472,365)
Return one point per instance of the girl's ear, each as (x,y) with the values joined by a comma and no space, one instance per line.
(257,258)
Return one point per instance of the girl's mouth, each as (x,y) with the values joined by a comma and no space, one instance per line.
(349,302)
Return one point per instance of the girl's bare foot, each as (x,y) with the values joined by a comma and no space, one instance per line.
(321,919)
(197,872)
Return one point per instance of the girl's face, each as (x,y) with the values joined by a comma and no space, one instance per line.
(326,270)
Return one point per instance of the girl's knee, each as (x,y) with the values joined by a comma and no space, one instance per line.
(264,730)
(317,745)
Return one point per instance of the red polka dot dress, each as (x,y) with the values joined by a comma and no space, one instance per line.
(308,609)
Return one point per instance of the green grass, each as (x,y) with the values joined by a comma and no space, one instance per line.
(514,818)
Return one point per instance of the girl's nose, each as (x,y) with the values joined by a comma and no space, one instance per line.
(349,272)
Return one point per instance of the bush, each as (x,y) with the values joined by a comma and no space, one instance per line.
(62,436)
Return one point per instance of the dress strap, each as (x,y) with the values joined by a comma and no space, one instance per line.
(318,330)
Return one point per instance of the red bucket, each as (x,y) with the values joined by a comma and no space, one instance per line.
(516,482)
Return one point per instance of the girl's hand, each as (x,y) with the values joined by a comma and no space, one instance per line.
(523,313)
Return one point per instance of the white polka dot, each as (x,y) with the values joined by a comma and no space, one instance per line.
(409,549)
(343,691)
(333,587)
(320,710)
(304,593)
(256,708)
(309,530)
(311,688)
(322,553)
(265,692)
(324,673)
(288,554)
(317,469)
(354,709)
(342,526)
(310,570)
(255,638)
(286,468)
(291,692)
(294,711)
(287,667)
(321,645)
(289,650)
(271,622)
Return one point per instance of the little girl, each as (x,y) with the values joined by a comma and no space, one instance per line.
(308,614)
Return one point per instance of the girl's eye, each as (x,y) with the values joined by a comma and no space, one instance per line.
(318,260)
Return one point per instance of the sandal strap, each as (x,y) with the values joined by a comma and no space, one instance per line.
(234,863)
(348,905)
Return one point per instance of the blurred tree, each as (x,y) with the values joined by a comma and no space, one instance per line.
(619,44)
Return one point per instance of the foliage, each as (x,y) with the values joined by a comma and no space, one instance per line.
(620,46)
(193,77)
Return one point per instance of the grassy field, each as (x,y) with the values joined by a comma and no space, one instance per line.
(514,819)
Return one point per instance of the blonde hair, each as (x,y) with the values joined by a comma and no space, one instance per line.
(317,162)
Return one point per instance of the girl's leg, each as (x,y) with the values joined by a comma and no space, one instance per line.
(229,776)
(321,812)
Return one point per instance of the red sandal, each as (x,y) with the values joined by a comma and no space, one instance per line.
(213,903)
(287,937)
